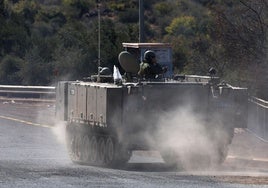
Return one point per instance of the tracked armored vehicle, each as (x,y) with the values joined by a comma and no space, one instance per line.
(108,119)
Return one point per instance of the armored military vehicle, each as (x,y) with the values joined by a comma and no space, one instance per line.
(111,115)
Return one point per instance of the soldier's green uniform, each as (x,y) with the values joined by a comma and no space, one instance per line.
(143,68)
(149,68)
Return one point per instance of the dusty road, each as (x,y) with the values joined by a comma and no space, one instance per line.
(31,155)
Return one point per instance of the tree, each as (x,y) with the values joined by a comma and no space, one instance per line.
(35,69)
(242,28)
(9,70)
(192,39)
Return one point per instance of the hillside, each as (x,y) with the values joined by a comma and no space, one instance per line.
(43,41)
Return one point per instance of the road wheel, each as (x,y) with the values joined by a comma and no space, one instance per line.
(94,150)
(78,148)
(122,156)
(70,142)
(86,148)
(101,150)
(110,151)
(170,158)
(223,152)
(71,147)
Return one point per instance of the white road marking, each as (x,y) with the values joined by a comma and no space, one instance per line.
(244,158)
(26,122)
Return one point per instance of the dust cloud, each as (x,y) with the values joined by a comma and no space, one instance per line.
(184,138)
(59,126)
(59,131)
(47,116)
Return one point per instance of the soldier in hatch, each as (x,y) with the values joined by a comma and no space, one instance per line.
(149,68)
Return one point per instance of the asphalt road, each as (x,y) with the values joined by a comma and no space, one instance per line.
(32,155)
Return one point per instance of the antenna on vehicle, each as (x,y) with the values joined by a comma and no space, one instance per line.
(99,50)
(141,21)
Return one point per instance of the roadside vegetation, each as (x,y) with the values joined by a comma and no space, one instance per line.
(43,41)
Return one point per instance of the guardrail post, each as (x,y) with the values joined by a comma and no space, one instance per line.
(258,121)
(265,124)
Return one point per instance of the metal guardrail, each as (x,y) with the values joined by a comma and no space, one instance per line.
(257,108)
(15,91)
(258,117)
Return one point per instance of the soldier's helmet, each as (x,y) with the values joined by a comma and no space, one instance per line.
(105,71)
(149,55)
